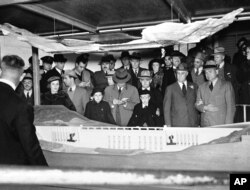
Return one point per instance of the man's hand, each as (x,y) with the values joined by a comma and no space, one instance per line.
(84,84)
(211,108)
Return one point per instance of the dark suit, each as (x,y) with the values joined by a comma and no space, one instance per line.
(99,112)
(179,110)
(143,116)
(170,78)
(28,100)
(100,80)
(134,79)
(18,141)
(230,73)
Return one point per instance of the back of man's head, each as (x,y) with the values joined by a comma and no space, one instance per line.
(12,67)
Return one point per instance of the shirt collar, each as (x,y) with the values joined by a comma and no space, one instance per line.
(59,71)
(26,91)
(8,82)
(222,65)
(214,82)
(199,70)
(180,83)
(73,88)
(146,88)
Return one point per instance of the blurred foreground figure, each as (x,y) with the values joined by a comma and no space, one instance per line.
(18,141)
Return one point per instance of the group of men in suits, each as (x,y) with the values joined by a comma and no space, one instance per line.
(208,100)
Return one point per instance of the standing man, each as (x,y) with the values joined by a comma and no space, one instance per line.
(226,70)
(18,141)
(100,79)
(59,61)
(197,73)
(78,96)
(27,91)
(135,59)
(215,98)
(47,65)
(83,76)
(122,97)
(125,59)
(112,62)
(179,101)
(156,98)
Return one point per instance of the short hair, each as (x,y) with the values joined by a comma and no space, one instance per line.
(13,61)
(82,58)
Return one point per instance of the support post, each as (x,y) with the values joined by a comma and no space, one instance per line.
(36,76)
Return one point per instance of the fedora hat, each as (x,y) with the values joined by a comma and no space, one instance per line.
(111,57)
(70,73)
(135,55)
(200,56)
(182,67)
(28,76)
(177,54)
(144,92)
(219,50)
(121,76)
(125,54)
(210,64)
(59,58)
(145,74)
(47,59)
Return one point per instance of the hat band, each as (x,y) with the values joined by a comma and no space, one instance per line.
(121,78)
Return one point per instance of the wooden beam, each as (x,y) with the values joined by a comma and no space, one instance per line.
(12,2)
(180,10)
(48,12)
(36,76)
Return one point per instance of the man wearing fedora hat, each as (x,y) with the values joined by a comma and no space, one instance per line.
(100,80)
(179,101)
(145,78)
(27,91)
(135,60)
(122,97)
(47,65)
(197,73)
(59,61)
(78,95)
(215,98)
(227,71)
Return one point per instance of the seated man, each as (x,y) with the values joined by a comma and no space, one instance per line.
(144,113)
(97,109)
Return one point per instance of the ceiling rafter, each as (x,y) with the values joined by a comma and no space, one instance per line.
(46,11)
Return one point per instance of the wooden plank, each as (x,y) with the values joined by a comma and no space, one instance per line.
(48,12)
(180,9)
(36,77)
(11,2)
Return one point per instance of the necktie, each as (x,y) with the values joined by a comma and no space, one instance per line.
(136,72)
(28,96)
(70,89)
(118,114)
(197,72)
(211,86)
(184,89)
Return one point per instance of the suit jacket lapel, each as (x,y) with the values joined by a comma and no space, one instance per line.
(178,88)
(216,88)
